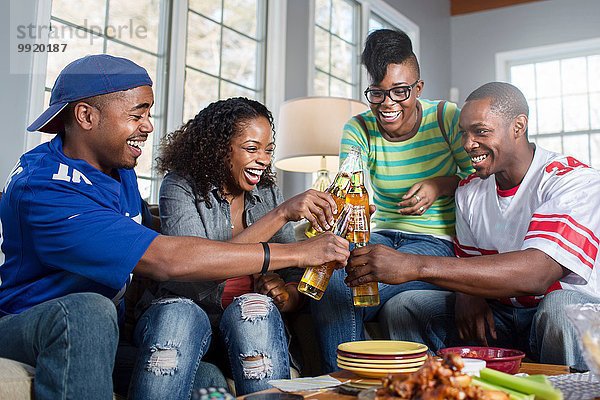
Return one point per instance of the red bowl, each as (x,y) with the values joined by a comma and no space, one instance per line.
(505,360)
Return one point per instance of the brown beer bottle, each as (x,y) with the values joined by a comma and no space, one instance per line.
(366,295)
(341,183)
(315,279)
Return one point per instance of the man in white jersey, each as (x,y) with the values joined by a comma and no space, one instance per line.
(527,240)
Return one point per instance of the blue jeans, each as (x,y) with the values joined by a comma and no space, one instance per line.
(256,342)
(71,341)
(338,321)
(172,336)
(543,332)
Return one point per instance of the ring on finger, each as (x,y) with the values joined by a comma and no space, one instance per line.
(421,209)
(417,197)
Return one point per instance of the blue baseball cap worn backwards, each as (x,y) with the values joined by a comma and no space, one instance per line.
(89,76)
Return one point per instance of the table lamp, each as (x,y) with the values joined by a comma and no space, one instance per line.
(309,134)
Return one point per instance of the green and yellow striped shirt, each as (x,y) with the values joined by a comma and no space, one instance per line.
(395,166)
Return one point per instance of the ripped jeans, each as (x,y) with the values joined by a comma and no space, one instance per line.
(254,334)
(172,336)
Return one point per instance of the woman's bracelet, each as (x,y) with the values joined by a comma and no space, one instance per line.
(266,259)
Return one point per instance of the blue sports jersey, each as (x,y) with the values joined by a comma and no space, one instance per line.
(67,228)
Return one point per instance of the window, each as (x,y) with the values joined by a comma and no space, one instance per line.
(340,29)
(225,52)
(223,56)
(376,22)
(336,48)
(562,87)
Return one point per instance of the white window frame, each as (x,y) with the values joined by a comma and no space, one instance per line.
(505,60)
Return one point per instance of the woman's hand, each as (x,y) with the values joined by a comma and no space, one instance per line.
(422,194)
(419,198)
(322,249)
(317,207)
(285,297)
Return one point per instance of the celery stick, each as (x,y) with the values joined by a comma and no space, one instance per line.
(540,390)
(538,378)
(514,395)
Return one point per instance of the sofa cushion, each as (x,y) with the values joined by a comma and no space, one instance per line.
(16,380)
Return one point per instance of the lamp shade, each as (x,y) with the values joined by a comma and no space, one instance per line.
(310,130)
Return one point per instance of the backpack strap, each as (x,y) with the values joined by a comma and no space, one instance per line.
(363,125)
(440,121)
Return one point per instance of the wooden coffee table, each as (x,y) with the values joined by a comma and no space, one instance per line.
(529,368)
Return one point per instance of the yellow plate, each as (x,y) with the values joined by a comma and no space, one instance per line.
(377,373)
(383,347)
(382,363)
(380,366)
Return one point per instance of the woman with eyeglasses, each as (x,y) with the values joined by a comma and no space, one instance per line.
(413,151)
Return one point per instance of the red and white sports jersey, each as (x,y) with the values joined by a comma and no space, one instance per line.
(555,209)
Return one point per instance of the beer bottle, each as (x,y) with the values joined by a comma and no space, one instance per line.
(366,295)
(357,194)
(315,279)
(341,183)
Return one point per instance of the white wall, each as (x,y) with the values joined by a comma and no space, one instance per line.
(477,37)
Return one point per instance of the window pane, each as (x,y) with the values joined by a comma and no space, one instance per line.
(145,186)
(341,59)
(322,49)
(533,125)
(145,161)
(80,13)
(547,79)
(550,143)
(321,84)
(523,77)
(595,110)
(376,22)
(203,44)
(340,89)
(241,16)
(79,44)
(594,73)
(342,20)
(575,113)
(146,60)
(595,142)
(322,13)
(200,90)
(573,73)
(577,146)
(211,9)
(230,90)
(135,22)
(239,58)
(549,115)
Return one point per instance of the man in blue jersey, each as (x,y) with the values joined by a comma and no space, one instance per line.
(71,214)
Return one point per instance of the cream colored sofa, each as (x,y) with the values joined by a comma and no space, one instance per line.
(16,381)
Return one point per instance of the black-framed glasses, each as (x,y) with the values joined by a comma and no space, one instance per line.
(397,93)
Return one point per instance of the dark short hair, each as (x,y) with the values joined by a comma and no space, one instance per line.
(384,47)
(100,102)
(200,150)
(507,100)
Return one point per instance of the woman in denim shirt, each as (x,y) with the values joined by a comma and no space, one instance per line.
(219,185)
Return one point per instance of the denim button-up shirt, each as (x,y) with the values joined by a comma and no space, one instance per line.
(184,213)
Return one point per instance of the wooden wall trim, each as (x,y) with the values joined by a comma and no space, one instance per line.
(458,7)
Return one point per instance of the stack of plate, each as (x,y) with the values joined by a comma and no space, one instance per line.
(379,358)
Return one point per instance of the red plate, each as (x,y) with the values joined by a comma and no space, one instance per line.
(379,356)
